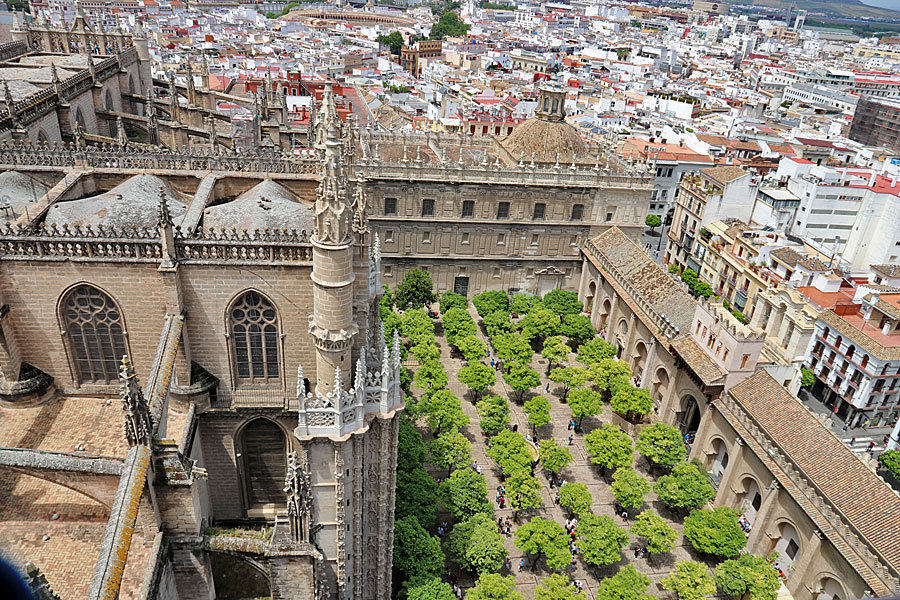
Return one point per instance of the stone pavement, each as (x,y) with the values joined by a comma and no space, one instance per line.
(581,470)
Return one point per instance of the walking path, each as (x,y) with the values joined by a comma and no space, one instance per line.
(581,470)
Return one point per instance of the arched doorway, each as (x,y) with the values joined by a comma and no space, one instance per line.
(238,577)
(660,385)
(262,451)
(639,359)
(720,462)
(689,415)
(787,545)
(589,298)
(830,589)
(750,500)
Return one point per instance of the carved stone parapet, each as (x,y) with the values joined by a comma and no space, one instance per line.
(329,340)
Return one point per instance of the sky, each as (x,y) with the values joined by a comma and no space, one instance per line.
(895,4)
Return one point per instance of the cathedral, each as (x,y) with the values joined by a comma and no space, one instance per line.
(223,303)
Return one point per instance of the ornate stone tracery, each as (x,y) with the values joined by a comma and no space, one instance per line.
(138,422)
(299,500)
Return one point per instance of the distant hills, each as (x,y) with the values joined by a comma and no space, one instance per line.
(852,9)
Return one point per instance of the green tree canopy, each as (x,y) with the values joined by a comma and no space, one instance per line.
(477,376)
(494,413)
(443,412)
(748,574)
(497,323)
(610,447)
(629,488)
(578,327)
(416,496)
(428,588)
(538,411)
(472,348)
(458,324)
(690,580)
(453,300)
(493,586)
(464,494)
(450,449)
(890,461)
(653,221)
(563,302)
(394,41)
(509,450)
(555,351)
(608,374)
(523,304)
(687,486)
(523,490)
(417,326)
(631,402)
(476,545)
(661,444)
(585,402)
(431,377)
(512,347)
(569,377)
(576,498)
(491,301)
(627,584)
(660,536)
(807,377)
(521,378)
(558,587)
(539,324)
(416,289)
(416,552)
(426,352)
(594,351)
(715,531)
(411,450)
(553,456)
(543,537)
(601,540)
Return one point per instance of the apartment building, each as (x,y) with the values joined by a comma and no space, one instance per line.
(855,353)
(706,196)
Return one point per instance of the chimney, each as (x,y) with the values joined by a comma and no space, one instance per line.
(894,181)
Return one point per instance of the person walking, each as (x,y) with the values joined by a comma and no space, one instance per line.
(571,437)
(521,565)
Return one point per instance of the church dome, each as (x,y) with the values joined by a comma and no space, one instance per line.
(546,135)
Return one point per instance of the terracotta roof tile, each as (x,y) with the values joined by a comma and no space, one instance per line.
(699,362)
(855,492)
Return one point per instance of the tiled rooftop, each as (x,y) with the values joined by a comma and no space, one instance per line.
(849,486)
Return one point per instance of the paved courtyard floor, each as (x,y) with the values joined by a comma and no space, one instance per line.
(581,470)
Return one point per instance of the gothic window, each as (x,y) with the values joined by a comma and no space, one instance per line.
(93,324)
(254,339)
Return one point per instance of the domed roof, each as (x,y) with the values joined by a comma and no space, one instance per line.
(267,205)
(546,136)
(548,140)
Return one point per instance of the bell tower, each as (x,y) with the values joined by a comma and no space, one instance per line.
(551,103)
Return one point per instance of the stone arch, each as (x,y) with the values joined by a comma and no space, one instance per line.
(621,337)
(749,497)
(79,117)
(97,488)
(605,309)
(717,456)
(659,387)
(688,414)
(94,332)
(232,569)
(253,324)
(829,587)
(261,447)
(639,358)
(42,137)
(787,543)
(589,297)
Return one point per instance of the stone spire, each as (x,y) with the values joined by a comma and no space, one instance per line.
(10,104)
(138,29)
(299,501)
(54,76)
(166,232)
(331,324)
(138,423)
(121,136)
(37,583)
(91,67)
(189,81)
